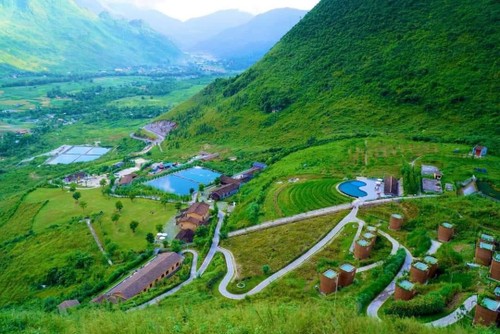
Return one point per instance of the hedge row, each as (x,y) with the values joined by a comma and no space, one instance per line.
(390,269)
(431,303)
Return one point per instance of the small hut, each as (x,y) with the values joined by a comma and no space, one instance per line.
(328,282)
(487,312)
(362,249)
(347,273)
(484,253)
(405,290)
(396,222)
(487,238)
(495,267)
(497,293)
(372,229)
(446,232)
(419,272)
(432,262)
(368,236)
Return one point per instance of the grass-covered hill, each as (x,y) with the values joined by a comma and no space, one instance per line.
(426,69)
(58,35)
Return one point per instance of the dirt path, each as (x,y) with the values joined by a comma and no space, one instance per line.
(97,241)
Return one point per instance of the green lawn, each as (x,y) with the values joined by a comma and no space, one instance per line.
(287,198)
(61,207)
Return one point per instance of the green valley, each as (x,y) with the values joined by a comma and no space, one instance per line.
(348,182)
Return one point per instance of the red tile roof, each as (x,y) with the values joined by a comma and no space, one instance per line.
(199,208)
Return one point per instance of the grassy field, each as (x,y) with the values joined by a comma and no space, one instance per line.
(289,198)
(61,206)
(277,247)
(371,157)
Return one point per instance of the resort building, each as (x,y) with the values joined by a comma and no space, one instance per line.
(127,179)
(328,282)
(446,232)
(185,235)
(419,272)
(432,262)
(362,249)
(487,312)
(229,187)
(495,267)
(479,151)
(484,253)
(347,272)
(370,237)
(405,290)
(162,266)
(396,221)
(391,186)
(197,214)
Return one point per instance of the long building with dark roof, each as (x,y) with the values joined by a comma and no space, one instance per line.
(162,266)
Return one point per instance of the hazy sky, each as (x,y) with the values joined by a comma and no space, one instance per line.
(185,9)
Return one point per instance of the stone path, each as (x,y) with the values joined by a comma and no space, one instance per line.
(213,247)
(456,315)
(434,247)
(97,241)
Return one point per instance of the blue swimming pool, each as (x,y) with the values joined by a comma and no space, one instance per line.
(181,182)
(351,188)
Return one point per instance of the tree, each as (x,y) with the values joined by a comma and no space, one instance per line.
(165,243)
(132,197)
(176,246)
(133,225)
(201,187)
(178,206)
(217,181)
(150,238)
(103,182)
(83,205)
(119,206)
(191,191)
(77,195)
(266,269)
(159,228)
(115,217)
(72,187)
(164,200)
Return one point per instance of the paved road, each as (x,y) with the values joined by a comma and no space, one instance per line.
(292,219)
(159,298)
(377,303)
(456,315)
(97,241)
(351,217)
(434,247)
(213,247)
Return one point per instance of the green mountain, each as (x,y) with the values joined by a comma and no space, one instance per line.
(425,70)
(52,35)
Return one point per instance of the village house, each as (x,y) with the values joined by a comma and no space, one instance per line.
(431,185)
(433,171)
(197,214)
(127,179)
(229,187)
(405,290)
(75,178)
(162,266)
(487,312)
(479,151)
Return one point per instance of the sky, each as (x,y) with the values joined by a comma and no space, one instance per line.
(186,9)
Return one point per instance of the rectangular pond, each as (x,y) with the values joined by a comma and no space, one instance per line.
(181,182)
(71,154)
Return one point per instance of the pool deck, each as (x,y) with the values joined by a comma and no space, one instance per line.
(370,189)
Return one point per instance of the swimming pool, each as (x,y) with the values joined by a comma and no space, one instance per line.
(181,182)
(351,188)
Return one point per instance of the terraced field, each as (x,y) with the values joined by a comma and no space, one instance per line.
(288,199)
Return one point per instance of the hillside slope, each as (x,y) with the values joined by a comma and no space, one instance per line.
(53,35)
(426,70)
(248,42)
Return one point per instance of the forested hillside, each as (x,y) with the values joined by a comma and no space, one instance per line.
(424,69)
(52,35)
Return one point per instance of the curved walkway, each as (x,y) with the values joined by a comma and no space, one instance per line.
(97,241)
(213,247)
(231,267)
(456,315)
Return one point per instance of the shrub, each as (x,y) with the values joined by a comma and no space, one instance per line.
(389,271)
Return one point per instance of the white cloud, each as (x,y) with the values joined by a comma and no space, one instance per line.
(185,9)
